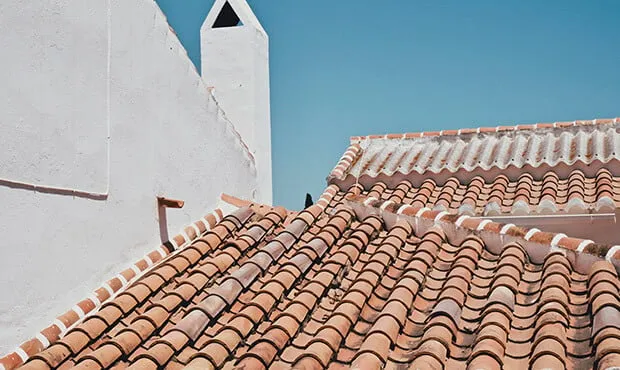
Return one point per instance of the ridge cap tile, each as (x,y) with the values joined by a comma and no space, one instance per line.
(488,129)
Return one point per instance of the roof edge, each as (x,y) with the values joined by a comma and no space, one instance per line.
(107,291)
(489,130)
(346,162)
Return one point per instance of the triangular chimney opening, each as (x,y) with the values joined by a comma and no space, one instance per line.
(227,18)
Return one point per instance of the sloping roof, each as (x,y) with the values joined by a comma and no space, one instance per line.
(357,283)
(526,169)
(585,145)
(108,290)
(366,278)
(575,194)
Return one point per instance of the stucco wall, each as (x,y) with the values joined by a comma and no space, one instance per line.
(73,74)
(235,60)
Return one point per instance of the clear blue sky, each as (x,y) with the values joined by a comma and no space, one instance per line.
(358,67)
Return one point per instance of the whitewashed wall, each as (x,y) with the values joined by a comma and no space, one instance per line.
(73,74)
(235,60)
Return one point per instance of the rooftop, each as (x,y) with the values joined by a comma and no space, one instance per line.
(384,273)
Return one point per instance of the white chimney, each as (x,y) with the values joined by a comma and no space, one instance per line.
(235,62)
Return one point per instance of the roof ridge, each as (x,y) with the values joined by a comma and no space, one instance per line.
(555,241)
(488,130)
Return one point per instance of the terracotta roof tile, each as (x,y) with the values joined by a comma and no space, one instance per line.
(465,131)
(77,333)
(588,145)
(391,274)
(525,195)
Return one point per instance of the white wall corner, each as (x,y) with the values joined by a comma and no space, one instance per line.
(235,61)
